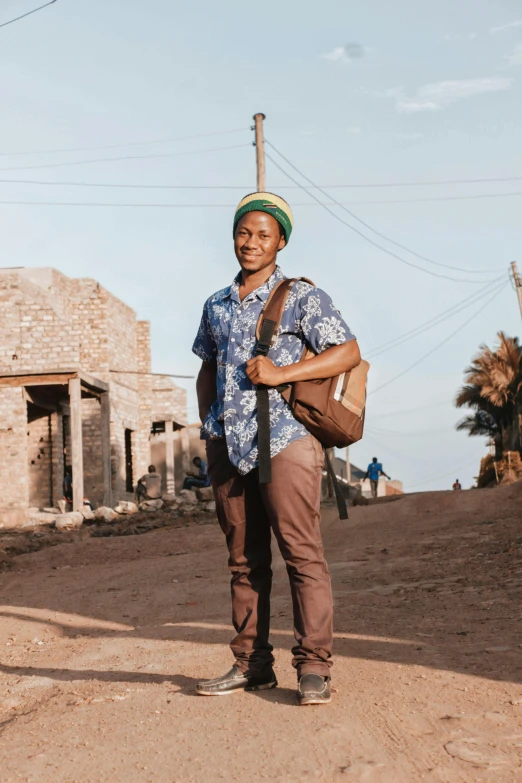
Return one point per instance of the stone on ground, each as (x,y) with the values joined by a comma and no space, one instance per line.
(126,507)
(70,521)
(151,505)
(40,518)
(187,496)
(105,514)
(205,493)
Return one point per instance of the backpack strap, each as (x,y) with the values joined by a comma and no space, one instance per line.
(267,329)
(342,507)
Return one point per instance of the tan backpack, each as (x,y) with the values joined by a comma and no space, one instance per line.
(331,409)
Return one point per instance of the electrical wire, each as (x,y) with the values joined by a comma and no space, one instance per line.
(423,183)
(125,144)
(411,410)
(178,206)
(123,157)
(4,24)
(443,475)
(374,230)
(439,345)
(432,322)
(370,241)
(136,186)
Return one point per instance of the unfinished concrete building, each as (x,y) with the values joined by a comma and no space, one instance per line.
(76,390)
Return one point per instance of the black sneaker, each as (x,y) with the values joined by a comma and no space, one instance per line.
(233,681)
(313,689)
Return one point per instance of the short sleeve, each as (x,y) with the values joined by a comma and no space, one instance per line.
(322,325)
(204,345)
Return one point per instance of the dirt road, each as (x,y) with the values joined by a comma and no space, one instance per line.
(102,641)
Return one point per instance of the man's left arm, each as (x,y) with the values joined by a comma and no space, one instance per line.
(327,335)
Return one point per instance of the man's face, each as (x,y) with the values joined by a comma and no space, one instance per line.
(257,241)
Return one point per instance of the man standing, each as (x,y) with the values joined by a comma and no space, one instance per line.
(200,479)
(149,486)
(374,471)
(289,506)
(457,485)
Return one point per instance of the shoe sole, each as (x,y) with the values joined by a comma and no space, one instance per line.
(306,702)
(264,687)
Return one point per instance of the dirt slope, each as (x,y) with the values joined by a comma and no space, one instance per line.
(102,641)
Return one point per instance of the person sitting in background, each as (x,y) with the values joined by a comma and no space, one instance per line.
(200,479)
(457,484)
(374,471)
(149,486)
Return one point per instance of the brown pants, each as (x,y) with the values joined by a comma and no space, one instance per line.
(247,511)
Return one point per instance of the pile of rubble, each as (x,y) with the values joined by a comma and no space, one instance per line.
(186,502)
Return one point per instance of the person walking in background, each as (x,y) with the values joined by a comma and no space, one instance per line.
(457,484)
(374,471)
(288,506)
(200,479)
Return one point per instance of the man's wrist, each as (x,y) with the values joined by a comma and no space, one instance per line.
(285,374)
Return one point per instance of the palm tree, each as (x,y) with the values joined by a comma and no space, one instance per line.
(494,390)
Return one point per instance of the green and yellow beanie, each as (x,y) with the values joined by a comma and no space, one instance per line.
(272,205)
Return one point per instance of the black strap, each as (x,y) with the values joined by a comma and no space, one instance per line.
(341,502)
(263,407)
(263,435)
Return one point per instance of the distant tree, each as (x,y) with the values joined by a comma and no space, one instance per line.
(494,391)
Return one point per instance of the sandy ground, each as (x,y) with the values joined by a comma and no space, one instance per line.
(102,641)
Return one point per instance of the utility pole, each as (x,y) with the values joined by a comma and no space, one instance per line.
(259,144)
(518,284)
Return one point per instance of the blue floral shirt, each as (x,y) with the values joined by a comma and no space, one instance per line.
(227,335)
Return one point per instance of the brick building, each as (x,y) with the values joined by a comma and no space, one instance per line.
(76,390)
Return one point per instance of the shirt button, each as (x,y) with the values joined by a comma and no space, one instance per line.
(232,339)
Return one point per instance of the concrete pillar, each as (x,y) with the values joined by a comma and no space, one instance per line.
(106,448)
(75,399)
(185,450)
(169,457)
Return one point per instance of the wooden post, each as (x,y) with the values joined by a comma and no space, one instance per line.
(518,284)
(75,398)
(260,152)
(348,465)
(169,457)
(106,448)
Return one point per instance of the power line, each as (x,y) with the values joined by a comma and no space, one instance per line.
(439,345)
(443,475)
(411,410)
(123,157)
(4,24)
(370,241)
(374,230)
(138,186)
(432,322)
(125,144)
(173,206)
(423,183)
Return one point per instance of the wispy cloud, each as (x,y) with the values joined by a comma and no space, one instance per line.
(416,136)
(460,36)
(347,53)
(505,27)
(439,95)
(515,58)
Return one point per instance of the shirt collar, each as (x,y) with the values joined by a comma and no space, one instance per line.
(262,292)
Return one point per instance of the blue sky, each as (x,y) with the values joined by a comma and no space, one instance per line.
(409,91)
